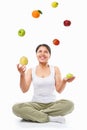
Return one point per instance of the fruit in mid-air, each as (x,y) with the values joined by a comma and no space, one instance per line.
(56,42)
(67,23)
(69,75)
(21,32)
(23,60)
(36,13)
(54,4)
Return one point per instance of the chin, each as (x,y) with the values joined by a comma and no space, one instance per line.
(43,62)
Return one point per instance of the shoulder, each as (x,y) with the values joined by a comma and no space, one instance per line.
(57,70)
(30,70)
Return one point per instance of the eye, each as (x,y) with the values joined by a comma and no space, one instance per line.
(39,51)
(46,52)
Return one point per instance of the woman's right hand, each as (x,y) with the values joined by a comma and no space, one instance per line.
(21,68)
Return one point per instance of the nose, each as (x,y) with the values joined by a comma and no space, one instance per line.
(42,53)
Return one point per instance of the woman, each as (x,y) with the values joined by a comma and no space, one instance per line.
(45,78)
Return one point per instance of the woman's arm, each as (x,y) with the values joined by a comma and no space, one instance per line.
(60,83)
(25,77)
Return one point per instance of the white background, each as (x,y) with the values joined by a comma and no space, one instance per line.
(70,55)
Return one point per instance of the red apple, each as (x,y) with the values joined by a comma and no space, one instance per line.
(56,42)
(67,23)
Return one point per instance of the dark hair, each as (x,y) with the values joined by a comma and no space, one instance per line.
(45,45)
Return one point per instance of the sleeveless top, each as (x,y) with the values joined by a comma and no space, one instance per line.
(43,87)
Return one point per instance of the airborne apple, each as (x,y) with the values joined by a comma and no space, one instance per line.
(67,23)
(56,42)
(23,60)
(54,4)
(21,32)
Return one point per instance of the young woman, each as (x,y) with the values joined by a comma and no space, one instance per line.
(45,78)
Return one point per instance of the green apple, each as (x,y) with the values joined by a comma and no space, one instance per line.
(69,75)
(23,60)
(54,4)
(21,32)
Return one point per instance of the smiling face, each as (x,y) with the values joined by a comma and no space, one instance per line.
(43,54)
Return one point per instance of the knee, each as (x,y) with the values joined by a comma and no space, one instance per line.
(15,109)
(70,105)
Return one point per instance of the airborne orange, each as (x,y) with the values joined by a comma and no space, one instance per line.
(36,13)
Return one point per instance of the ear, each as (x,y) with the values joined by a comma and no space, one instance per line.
(49,56)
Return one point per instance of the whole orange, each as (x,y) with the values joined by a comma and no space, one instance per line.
(36,13)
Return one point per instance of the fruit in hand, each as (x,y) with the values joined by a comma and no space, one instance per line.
(67,23)
(54,4)
(69,75)
(21,32)
(23,60)
(56,42)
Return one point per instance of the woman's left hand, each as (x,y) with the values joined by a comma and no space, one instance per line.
(69,79)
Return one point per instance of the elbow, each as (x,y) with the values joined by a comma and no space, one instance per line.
(59,90)
(24,90)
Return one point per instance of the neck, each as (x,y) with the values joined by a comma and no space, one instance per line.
(43,65)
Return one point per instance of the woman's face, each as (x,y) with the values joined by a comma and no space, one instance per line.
(43,54)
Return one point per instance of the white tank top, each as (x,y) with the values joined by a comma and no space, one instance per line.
(43,87)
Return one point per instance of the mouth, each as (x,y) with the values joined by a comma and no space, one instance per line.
(42,58)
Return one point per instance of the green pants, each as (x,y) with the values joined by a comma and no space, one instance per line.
(40,112)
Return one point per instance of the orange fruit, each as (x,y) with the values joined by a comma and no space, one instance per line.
(36,13)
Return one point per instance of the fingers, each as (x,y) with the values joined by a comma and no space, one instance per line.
(21,68)
(69,79)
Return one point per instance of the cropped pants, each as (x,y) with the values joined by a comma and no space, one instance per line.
(40,112)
